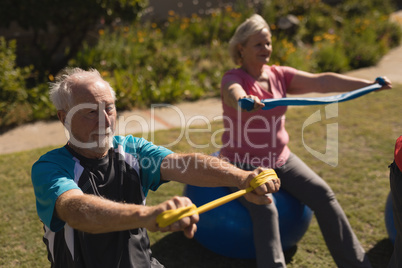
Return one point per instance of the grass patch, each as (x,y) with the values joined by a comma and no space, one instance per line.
(368,128)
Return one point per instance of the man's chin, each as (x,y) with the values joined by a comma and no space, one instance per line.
(100,151)
(104,141)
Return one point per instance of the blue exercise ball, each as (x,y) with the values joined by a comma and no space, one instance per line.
(389,219)
(227,230)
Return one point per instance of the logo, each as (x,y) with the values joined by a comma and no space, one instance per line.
(330,156)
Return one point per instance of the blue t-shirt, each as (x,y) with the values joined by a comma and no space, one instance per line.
(126,174)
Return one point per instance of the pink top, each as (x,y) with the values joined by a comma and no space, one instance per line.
(257,138)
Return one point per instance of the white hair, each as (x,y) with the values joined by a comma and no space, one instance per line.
(252,25)
(61,90)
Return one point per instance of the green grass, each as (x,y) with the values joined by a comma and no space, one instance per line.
(368,128)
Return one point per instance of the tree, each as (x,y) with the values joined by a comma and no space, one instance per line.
(57,28)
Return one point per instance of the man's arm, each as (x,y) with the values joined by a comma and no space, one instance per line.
(204,170)
(93,214)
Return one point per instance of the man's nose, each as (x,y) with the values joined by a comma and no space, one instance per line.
(104,119)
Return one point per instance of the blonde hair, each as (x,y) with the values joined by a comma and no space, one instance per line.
(61,90)
(252,25)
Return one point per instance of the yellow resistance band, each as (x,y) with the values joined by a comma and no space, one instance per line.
(168,217)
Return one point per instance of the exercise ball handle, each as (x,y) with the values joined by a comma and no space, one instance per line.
(168,217)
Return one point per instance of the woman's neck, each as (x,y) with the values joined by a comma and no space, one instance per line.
(255,71)
(259,76)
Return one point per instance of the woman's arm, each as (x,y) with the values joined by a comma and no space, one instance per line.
(232,92)
(304,82)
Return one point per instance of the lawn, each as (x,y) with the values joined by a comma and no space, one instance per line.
(367,130)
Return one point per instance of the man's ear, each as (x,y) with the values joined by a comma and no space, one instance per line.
(62,116)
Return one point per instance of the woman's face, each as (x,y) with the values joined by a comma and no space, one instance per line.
(257,49)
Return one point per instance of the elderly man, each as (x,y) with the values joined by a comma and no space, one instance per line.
(90,194)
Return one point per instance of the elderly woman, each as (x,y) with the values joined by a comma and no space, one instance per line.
(259,138)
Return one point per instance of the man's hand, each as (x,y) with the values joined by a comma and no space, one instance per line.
(187,224)
(260,195)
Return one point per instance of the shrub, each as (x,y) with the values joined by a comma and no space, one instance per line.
(59,28)
(184,58)
(13,106)
(331,58)
(40,104)
(367,40)
(18,103)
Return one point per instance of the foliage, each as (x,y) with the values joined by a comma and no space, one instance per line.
(357,39)
(184,58)
(143,59)
(358,34)
(218,24)
(58,28)
(330,57)
(140,66)
(18,103)
(40,104)
(13,108)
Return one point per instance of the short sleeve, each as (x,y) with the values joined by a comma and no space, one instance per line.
(284,73)
(232,76)
(149,157)
(51,177)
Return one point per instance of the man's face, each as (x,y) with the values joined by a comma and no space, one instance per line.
(92,119)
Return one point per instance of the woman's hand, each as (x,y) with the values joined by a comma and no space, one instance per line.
(257,103)
(261,194)
(387,84)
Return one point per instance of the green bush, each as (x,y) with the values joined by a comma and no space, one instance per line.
(18,103)
(143,69)
(58,28)
(40,104)
(220,24)
(358,30)
(368,40)
(13,94)
(331,58)
(184,58)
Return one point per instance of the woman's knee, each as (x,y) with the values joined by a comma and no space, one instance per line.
(266,211)
(320,198)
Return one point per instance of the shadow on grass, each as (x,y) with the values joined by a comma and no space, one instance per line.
(380,254)
(176,251)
